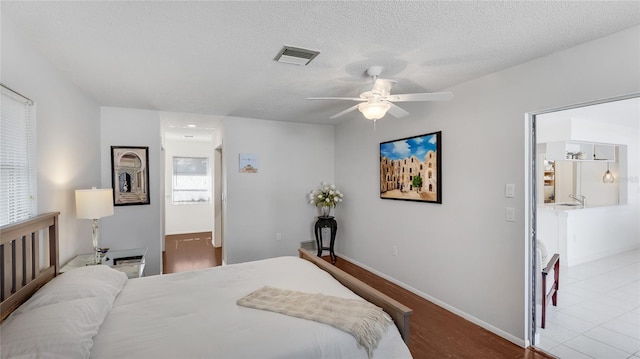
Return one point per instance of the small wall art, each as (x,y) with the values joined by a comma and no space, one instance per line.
(411,170)
(248,163)
(130,175)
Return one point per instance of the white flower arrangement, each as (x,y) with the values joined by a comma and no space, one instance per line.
(325,196)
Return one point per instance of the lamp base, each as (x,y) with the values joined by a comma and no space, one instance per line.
(94,234)
(96,256)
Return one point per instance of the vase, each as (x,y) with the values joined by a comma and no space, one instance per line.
(325,211)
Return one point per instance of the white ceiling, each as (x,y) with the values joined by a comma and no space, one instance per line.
(217,58)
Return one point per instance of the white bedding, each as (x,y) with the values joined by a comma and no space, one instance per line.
(194,315)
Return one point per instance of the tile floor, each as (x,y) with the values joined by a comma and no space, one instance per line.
(598,312)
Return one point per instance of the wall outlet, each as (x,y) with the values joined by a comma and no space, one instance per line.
(394,250)
(278,236)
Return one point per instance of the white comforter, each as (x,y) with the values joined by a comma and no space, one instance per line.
(194,315)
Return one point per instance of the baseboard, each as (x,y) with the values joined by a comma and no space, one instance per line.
(461,313)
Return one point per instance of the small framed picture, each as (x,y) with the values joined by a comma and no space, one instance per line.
(130,175)
(248,163)
(411,168)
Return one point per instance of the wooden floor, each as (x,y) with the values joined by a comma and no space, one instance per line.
(189,251)
(438,333)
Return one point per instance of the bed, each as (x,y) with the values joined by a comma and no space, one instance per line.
(97,312)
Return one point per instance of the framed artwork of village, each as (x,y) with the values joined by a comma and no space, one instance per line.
(411,169)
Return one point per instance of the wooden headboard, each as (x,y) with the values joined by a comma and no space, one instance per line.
(21,273)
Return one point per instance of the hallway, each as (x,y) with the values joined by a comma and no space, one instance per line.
(189,251)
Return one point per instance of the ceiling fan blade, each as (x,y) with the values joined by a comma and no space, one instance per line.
(337,98)
(345,111)
(396,111)
(432,96)
(382,87)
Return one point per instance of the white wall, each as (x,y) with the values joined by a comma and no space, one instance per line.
(597,192)
(187,218)
(293,160)
(67,124)
(463,254)
(133,226)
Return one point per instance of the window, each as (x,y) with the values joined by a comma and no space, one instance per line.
(17,157)
(191,180)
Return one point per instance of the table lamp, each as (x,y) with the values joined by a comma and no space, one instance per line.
(94,204)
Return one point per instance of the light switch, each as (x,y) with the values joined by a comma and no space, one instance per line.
(510,190)
(510,214)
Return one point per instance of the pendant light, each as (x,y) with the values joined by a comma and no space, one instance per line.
(608,176)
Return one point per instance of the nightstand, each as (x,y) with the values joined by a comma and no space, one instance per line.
(129,261)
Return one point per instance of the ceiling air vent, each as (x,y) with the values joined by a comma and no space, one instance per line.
(296,55)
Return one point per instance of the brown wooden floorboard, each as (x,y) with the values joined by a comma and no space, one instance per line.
(190,251)
(439,333)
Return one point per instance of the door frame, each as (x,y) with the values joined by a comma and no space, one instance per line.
(531,337)
(218,196)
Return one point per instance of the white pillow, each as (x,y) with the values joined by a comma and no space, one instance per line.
(60,330)
(84,282)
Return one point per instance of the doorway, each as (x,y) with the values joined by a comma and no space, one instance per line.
(192,179)
(598,240)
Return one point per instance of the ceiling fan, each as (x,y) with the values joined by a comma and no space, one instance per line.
(374,104)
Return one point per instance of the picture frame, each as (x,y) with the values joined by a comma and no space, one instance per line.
(411,168)
(130,175)
(248,163)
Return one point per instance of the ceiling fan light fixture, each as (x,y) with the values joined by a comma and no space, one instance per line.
(374,104)
(374,110)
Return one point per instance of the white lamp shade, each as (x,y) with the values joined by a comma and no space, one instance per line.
(374,110)
(94,203)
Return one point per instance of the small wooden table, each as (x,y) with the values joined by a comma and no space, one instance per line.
(326,222)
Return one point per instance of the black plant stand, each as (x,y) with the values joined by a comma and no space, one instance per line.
(326,222)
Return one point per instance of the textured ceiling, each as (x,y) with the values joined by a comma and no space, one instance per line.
(217,57)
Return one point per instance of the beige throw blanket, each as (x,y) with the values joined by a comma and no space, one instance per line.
(365,321)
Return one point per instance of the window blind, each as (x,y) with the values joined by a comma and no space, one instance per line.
(191,180)
(17,157)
